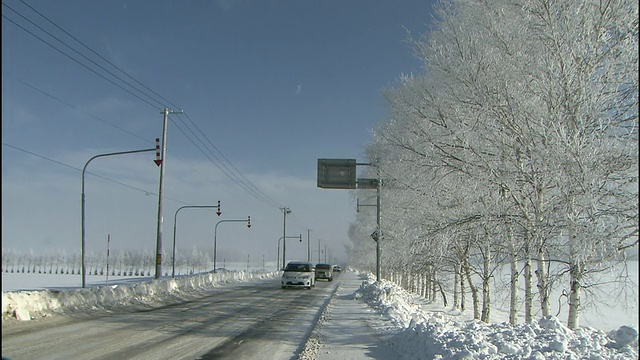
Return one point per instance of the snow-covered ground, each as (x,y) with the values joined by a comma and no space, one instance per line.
(417,329)
(428,331)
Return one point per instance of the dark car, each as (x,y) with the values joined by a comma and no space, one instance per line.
(324,271)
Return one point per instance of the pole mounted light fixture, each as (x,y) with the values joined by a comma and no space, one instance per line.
(83,200)
(285,211)
(215,236)
(175,223)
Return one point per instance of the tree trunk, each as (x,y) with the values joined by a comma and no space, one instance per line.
(486,279)
(423,285)
(413,283)
(543,286)
(405,281)
(573,322)
(513,303)
(528,283)
(456,290)
(427,284)
(433,284)
(444,296)
(575,271)
(473,289)
(462,290)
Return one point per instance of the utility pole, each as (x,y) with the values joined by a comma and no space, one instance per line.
(161,163)
(378,221)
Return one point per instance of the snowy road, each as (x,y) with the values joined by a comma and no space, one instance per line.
(248,321)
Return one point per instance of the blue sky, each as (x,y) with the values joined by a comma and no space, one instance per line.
(268,87)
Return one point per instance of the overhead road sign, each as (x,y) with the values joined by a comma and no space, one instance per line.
(337,173)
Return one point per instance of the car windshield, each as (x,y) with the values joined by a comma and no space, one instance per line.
(323,266)
(298,267)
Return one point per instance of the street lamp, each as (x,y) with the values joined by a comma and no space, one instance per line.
(285,211)
(285,237)
(83,198)
(175,223)
(308,245)
(215,234)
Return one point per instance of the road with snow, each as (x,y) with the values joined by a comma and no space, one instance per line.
(249,321)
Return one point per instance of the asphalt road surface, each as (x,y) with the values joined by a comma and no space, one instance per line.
(257,320)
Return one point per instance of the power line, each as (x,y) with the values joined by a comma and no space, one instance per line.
(97,118)
(97,54)
(229,170)
(81,110)
(70,57)
(120,128)
(80,170)
(246,184)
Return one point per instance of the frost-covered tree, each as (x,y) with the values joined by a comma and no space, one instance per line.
(525,125)
(589,69)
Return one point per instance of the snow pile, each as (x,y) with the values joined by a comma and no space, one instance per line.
(420,329)
(428,333)
(27,305)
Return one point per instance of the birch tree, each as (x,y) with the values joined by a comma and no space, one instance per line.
(536,101)
(590,69)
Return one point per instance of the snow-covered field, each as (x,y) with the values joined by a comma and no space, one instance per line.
(419,330)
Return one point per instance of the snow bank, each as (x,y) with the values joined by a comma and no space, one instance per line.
(26,305)
(429,334)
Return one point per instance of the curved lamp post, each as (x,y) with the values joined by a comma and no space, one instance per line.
(175,218)
(299,237)
(82,206)
(285,211)
(215,235)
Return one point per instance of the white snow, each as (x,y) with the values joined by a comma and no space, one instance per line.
(429,331)
(415,328)
(121,292)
